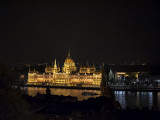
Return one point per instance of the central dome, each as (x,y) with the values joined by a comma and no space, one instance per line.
(69,60)
(69,65)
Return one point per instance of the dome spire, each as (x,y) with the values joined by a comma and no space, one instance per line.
(69,54)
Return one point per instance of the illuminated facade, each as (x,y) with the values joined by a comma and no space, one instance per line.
(123,75)
(70,76)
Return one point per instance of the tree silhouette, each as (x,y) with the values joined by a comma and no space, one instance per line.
(12,106)
(6,76)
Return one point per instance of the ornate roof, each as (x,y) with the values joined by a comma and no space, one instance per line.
(69,60)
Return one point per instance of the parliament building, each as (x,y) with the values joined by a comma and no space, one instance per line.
(69,75)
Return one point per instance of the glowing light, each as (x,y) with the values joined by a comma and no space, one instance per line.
(86,76)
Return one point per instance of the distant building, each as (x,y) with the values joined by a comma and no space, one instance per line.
(86,75)
(126,72)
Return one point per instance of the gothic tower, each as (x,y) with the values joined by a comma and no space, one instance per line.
(55,69)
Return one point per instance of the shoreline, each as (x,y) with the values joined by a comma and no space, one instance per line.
(132,89)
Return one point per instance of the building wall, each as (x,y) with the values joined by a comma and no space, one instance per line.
(65,79)
(52,75)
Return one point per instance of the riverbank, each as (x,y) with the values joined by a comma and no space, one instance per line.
(114,88)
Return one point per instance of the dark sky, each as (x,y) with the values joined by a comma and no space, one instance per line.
(112,32)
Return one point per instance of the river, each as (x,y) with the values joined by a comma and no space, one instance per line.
(125,98)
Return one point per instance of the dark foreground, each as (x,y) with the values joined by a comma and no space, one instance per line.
(53,107)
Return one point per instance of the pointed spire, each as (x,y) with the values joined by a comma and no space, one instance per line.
(103,64)
(29,69)
(69,54)
(34,69)
(55,65)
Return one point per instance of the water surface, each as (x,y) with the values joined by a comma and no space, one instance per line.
(125,98)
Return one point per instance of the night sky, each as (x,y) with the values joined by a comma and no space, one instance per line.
(101,32)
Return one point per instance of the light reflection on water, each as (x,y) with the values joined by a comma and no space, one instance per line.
(125,98)
(134,99)
(32,91)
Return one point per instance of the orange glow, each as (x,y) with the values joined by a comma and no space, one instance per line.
(52,75)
